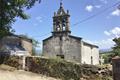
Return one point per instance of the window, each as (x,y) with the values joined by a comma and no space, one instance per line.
(60,56)
(91,60)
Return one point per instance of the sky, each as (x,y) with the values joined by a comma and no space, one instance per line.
(96,21)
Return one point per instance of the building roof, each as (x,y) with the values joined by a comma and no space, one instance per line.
(79,38)
(92,45)
(11,43)
(24,38)
(48,38)
(116,58)
(19,36)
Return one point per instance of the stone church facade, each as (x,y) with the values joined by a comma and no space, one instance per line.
(66,46)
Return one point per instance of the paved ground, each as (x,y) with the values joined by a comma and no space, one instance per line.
(12,74)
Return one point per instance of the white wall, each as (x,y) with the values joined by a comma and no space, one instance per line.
(89,51)
(95,54)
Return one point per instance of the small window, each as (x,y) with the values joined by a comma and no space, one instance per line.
(60,56)
(91,60)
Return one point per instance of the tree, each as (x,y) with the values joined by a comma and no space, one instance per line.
(107,56)
(116,48)
(35,44)
(9,10)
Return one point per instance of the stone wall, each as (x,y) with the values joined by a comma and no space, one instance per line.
(66,70)
(27,45)
(59,68)
(69,47)
(116,68)
(4,56)
(14,61)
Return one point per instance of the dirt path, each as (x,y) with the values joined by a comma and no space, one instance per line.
(21,75)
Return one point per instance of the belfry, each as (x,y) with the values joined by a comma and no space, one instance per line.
(61,44)
(61,22)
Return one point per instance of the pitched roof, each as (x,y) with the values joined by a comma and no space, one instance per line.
(48,38)
(92,45)
(79,38)
(19,36)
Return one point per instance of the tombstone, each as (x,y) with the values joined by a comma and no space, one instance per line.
(116,68)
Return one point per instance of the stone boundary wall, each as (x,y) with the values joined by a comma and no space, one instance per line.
(58,68)
(116,68)
(3,56)
(66,70)
(14,61)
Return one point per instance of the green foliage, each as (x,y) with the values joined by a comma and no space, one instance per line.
(35,44)
(58,68)
(33,51)
(107,57)
(9,10)
(116,48)
(62,69)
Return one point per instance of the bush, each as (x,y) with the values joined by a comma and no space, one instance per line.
(62,69)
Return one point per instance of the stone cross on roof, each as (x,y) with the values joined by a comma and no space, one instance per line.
(61,2)
(61,10)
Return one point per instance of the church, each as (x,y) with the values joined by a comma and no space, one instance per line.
(61,44)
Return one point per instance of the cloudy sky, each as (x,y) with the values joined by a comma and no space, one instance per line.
(96,21)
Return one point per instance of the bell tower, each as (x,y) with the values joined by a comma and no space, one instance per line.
(61,24)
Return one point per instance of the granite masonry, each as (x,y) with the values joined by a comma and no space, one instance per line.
(66,46)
